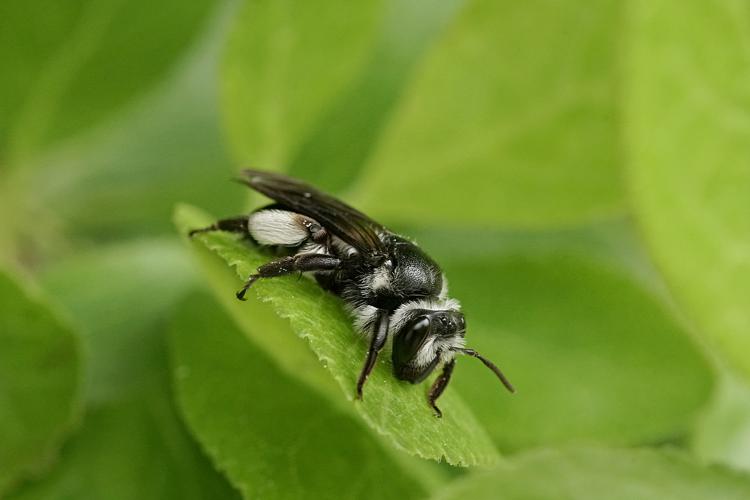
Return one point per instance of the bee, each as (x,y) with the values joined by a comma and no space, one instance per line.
(390,286)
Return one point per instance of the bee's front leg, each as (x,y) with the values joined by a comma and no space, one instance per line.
(379,336)
(439,386)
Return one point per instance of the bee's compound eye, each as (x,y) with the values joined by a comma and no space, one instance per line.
(416,334)
(420,326)
(407,343)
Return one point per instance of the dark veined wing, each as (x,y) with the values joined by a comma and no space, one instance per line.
(348,223)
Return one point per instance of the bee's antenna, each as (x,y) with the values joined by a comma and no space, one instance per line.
(489,364)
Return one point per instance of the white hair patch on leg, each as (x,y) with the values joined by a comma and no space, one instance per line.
(278,227)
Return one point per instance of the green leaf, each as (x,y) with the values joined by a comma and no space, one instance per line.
(723,431)
(688,116)
(596,473)
(394,409)
(39,383)
(285,62)
(132,444)
(268,433)
(27,43)
(117,295)
(123,179)
(580,338)
(132,449)
(311,86)
(510,120)
(93,56)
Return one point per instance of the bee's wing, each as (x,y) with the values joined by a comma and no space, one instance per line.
(348,223)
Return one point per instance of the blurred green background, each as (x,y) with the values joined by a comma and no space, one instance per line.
(580,169)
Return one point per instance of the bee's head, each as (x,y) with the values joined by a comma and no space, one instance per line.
(428,333)
(423,337)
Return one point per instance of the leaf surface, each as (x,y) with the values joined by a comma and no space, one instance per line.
(510,120)
(310,87)
(595,473)
(40,378)
(80,61)
(687,129)
(132,444)
(271,435)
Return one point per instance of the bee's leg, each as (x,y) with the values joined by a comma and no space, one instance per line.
(233,225)
(286,265)
(379,336)
(439,386)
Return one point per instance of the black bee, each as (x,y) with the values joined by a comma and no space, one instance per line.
(391,287)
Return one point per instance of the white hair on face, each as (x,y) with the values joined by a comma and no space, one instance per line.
(277,227)
(434,346)
(403,312)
